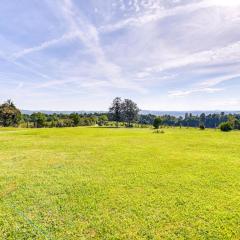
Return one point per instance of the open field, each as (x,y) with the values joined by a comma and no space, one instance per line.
(99,183)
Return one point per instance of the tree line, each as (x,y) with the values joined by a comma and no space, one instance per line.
(121,113)
(203,120)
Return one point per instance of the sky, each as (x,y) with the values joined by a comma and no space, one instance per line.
(80,54)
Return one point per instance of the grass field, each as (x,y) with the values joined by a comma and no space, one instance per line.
(98,183)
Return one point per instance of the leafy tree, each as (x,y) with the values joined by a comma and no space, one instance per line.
(146,119)
(226,126)
(237,124)
(102,120)
(75,119)
(38,119)
(116,110)
(202,119)
(9,114)
(26,119)
(130,111)
(231,119)
(157,122)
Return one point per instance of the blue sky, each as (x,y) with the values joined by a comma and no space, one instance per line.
(79,55)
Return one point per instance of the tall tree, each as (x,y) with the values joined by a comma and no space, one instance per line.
(130,111)
(202,118)
(116,110)
(9,114)
(75,118)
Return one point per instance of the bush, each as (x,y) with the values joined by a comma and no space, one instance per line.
(157,122)
(202,127)
(225,127)
(158,131)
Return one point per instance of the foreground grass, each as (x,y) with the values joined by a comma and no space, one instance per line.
(83,183)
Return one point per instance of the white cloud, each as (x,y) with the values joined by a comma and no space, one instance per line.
(225,54)
(225,3)
(206,86)
(157,11)
(80,28)
(215,81)
(88,34)
(181,93)
(44,45)
(25,66)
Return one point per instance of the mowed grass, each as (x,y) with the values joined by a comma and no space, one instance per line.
(99,183)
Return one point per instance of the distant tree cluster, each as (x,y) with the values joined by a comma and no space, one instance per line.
(39,120)
(121,113)
(225,122)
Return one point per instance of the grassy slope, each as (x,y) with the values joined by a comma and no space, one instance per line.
(84,183)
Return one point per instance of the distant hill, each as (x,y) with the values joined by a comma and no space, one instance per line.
(144,112)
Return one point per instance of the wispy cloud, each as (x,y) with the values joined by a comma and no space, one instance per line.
(217,80)
(229,53)
(44,45)
(89,35)
(181,93)
(23,66)
(207,86)
(156,11)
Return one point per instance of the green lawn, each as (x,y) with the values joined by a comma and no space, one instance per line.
(99,183)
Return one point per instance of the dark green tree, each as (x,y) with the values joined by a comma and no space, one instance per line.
(75,118)
(237,124)
(226,126)
(202,119)
(38,119)
(115,111)
(157,122)
(9,114)
(130,111)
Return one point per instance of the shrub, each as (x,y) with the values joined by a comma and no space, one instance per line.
(158,131)
(202,127)
(157,122)
(225,127)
